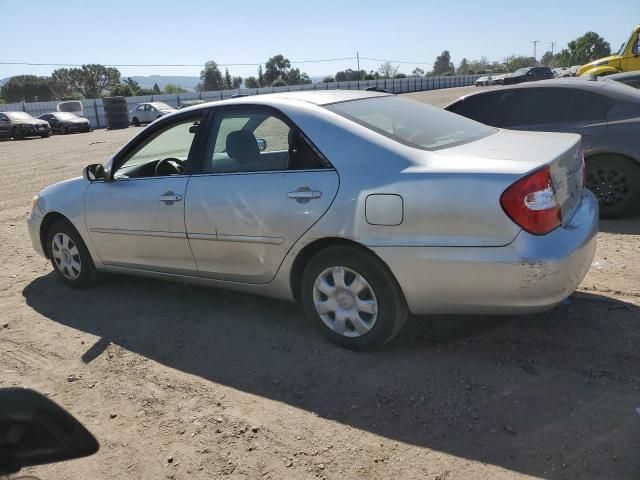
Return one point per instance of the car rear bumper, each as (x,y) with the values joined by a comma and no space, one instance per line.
(532,274)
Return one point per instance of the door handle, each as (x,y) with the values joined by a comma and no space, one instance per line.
(305,194)
(170,197)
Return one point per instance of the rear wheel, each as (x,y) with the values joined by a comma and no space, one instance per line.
(15,133)
(352,298)
(69,255)
(616,183)
(136,121)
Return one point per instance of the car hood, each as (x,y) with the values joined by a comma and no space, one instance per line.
(504,152)
(601,62)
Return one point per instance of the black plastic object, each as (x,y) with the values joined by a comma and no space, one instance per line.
(34,430)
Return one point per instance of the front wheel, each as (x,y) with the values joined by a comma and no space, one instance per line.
(352,298)
(69,255)
(62,129)
(616,183)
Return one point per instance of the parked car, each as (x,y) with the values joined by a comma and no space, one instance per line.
(358,207)
(21,125)
(66,122)
(497,79)
(607,116)
(148,112)
(528,74)
(628,78)
(483,81)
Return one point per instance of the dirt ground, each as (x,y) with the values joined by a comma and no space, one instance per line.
(187,382)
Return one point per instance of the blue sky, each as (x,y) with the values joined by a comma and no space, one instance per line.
(191,32)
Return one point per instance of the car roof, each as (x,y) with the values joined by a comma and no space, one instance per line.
(315,97)
(614,90)
(622,75)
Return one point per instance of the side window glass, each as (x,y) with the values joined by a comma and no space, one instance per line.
(585,107)
(163,154)
(511,109)
(140,108)
(545,105)
(253,141)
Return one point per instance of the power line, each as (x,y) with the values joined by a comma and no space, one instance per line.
(35,64)
(396,61)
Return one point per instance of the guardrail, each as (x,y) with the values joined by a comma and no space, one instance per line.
(94,111)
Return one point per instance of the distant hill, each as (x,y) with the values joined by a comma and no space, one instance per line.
(162,80)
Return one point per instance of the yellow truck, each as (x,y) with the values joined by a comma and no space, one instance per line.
(626,60)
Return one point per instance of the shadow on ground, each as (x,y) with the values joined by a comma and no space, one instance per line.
(625,226)
(551,395)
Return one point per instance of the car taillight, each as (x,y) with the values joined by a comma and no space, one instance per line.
(531,203)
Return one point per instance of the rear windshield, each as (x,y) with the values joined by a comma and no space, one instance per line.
(412,123)
(19,116)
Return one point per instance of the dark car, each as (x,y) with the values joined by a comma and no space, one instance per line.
(628,78)
(528,74)
(21,125)
(66,122)
(606,114)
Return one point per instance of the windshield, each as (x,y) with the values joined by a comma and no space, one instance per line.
(412,123)
(162,106)
(621,50)
(65,116)
(521,71)
(19,116)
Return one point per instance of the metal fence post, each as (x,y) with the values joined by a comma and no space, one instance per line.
(95,109)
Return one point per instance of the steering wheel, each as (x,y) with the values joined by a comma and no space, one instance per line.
(173,166)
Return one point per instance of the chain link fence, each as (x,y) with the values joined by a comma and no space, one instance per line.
(94,111)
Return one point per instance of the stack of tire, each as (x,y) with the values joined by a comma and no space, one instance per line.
(116,111)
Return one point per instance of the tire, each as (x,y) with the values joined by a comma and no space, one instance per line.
(363,328)
(15,134)
(45,135)
(63,130)
(136,121)
(69,255)
(615,181)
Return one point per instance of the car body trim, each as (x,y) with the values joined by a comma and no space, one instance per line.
(140,233)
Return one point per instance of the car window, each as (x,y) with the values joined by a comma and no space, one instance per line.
(141,108)
(256,140)
(173,142)
(410,122)
(480,108)
(585,106)
(542,105)
(3,117)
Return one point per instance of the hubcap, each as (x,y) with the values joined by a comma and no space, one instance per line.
(66,256)
(610,186)
(345,301)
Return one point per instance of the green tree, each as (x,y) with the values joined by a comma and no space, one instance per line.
(132,84)
(514,62)
(387,70)
(236,82)
(122,90)
(260,76)
(174,88)
(562,59)
(463,68)
(400,75)
(328,79)
(587,48)
(546,58)
(418,72)
(227,79)
(349,75)
(276,67)
(279,82)
(210,78)
(294,77)
(90,80)
(28,88)
(156,89)
(443,64)
(251,82)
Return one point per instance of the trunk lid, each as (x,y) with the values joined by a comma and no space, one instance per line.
(515,152)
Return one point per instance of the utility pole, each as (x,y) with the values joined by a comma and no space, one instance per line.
(535,45)
(553,44)
(358,58)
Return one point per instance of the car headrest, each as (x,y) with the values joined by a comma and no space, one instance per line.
(243,147)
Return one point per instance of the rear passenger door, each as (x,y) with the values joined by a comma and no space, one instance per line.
(261,186)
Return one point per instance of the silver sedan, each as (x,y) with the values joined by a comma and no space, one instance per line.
(363,206)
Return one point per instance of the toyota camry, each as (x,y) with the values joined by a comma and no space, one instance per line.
(363,206)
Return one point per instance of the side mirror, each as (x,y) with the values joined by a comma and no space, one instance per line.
(34,430)
(94,172)
(262,144)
